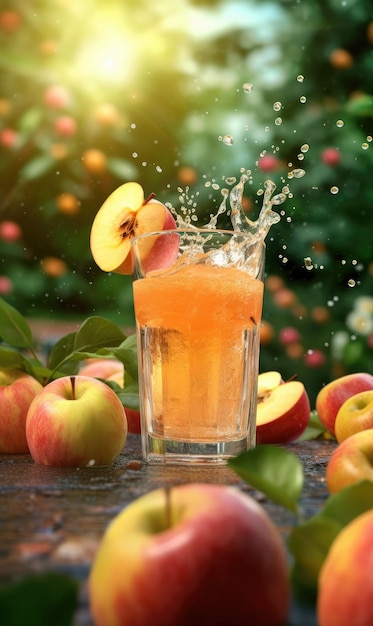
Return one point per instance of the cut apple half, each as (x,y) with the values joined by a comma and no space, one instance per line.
(267,381)
(124,215)
(282,413)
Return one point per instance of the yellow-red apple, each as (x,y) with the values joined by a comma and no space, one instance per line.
(76,421)
(111,369)
(17,390)
(351,461)
(125,215)
(355,414)
(345,588)
(331,397)
(283,409)
(102,368)
(194,554)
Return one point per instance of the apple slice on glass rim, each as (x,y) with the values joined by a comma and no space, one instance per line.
(126,214)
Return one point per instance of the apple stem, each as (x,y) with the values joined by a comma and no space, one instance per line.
(72,380)
(293,377)
(150,197)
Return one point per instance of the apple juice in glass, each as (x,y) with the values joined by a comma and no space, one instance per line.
(198,296)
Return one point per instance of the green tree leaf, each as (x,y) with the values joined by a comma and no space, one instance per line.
(274,471)
(40,600)
(310,542)
(13,327)
(97,332)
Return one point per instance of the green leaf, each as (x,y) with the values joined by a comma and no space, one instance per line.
(310,542)
(61,350)
(13,327)
(90,341)
(12,359)
(39,601)
(362,106)
(274,471)
(36,167)
(97,332)
(314,428)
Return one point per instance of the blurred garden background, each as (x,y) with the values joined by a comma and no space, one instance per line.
(180,97)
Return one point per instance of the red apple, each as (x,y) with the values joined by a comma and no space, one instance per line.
(76,421)
(133,415)
(17,390)
(331,397)
(351,461)
(194,554)
(355,414)
(283,409)
(345,589)
(102,368)
(124,215)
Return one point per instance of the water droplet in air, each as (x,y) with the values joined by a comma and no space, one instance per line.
(297,173)
(365,146)
(228,140)
(300,78)
(303,99)
(351,282)
(334,190)
(340,123)
(278,121)
(230,180)
(369,138)
(247,87)
(300,157)
(304,148)
(308,263)
(277,106)
(278,199)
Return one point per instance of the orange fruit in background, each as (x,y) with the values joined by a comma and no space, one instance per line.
(284,298)
(341,59)
(320,314)
(106,114)
(10,20)
(267,333)
(370,32)
(67,203)
(94,160)
(273,283)
(52,266)
(58,151)
(187,175)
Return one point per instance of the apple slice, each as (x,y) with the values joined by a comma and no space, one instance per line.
(124,215)
(267,381)
(282,413)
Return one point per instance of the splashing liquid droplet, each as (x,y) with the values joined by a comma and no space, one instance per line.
(334,190)
(300,78)
(277,106)
(228,140)
(247,87)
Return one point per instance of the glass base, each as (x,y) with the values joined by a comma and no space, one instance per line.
(164,451)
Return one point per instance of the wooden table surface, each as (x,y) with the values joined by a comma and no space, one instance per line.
(52,519)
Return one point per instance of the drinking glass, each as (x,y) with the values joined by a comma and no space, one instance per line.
(198,301)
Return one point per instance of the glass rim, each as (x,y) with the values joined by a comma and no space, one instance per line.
(207,231)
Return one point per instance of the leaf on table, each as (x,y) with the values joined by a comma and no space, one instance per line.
(13,327)
(310,542)
(314,429)
(39,600)
(274,471)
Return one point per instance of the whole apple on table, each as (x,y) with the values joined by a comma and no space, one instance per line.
(76,421)
(112,369)
(193,554)
(17,390)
